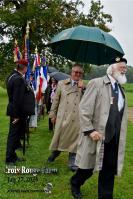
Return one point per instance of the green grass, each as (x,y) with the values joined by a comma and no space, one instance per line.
(129,87)
(129,93)
(129,98)
(36,156)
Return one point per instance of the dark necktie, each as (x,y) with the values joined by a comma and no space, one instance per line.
(116,92)
(75,83)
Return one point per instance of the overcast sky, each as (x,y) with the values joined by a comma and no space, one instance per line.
(122,25)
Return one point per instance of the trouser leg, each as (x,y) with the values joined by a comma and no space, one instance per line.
(19,145)
(79,179)
(53,156)
(71,161)
(107,174)
(12,141)
(105,184)
(81,176)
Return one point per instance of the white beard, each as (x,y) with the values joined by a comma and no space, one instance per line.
(121,78)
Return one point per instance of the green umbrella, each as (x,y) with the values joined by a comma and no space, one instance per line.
(86,45)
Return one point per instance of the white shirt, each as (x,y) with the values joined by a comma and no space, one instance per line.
(73,82)
(120,96)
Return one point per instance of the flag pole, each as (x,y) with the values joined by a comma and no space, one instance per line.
(27,50)
(27,77)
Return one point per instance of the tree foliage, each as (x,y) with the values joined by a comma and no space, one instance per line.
(47,17)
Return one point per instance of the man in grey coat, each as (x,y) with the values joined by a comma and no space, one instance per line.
(103,124)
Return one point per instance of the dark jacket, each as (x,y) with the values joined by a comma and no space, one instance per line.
(16,88)
(48,98)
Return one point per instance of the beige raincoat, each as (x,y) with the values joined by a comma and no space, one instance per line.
(65,107)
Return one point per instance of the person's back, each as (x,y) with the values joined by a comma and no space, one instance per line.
(16,87)
(9,83)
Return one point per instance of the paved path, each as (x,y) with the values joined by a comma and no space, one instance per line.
(130,114)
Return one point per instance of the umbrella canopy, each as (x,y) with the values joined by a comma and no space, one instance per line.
(87,45)
(59,75)
(52,69)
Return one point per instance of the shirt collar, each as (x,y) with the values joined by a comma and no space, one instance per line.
(23,75)
(112,80)
(72,82)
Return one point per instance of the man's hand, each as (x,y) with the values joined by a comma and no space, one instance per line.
(95,136)
(81,84)
(15,120)
(53,120)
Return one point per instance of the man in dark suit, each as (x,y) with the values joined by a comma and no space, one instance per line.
(16,88)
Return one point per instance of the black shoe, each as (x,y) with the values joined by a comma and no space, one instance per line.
(20,159)
(52,157)
(75,190)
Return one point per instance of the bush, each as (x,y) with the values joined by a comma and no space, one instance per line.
(2,84)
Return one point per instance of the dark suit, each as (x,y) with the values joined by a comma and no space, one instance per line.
(48,98)
(16,88)
(48,103)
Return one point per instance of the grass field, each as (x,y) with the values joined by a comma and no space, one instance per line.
(36,156)
(129,93)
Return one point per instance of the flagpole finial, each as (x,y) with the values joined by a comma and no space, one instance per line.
(27,29)
(16,42)
(36,50)
(16,52)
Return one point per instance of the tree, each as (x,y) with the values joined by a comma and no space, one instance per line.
(47,17)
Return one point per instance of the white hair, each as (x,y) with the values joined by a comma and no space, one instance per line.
(121,78)
(110,69)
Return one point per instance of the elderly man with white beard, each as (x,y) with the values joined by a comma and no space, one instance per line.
(103,124)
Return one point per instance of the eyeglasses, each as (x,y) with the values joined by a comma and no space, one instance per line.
(77,72)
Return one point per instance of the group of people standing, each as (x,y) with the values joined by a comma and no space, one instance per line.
(89,123)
